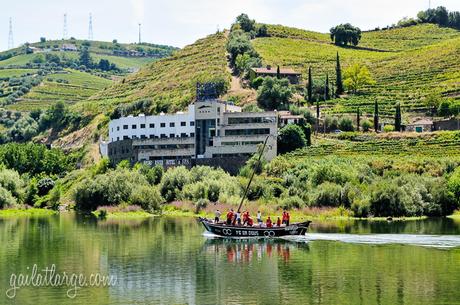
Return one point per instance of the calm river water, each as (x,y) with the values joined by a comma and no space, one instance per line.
(170,261)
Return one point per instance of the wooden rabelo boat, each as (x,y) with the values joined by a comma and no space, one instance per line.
(254,231)
(225,230)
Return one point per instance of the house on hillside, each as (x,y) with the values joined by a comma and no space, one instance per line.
(422,125)
(286,118)
(70,47)
(293,76)
(448,124)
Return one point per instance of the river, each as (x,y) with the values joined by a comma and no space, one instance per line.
(165,260)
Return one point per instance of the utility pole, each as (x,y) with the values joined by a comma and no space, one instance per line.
(64,30)
(140,33)
(90,28)
(10,36)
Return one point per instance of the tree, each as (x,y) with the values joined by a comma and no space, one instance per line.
(327,95)
(376,116)
(345,34)
(356,77)
(278,73)
(310,86)
(246,23)
(433,101)
(346,124)
(317,115)
(42,39)
(398,118)
(274,93)
(454,20)
(444,108)
(85,58)
(290,138)
(358,119)
(239,43)
(339,83)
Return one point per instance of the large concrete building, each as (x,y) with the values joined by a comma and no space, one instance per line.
(210,129)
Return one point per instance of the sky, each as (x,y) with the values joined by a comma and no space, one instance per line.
(181,22)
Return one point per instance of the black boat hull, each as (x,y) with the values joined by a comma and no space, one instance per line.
(241,231)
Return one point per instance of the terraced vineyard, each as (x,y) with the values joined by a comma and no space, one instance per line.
(71,86)
(171,82)
(429,62)
(434,145)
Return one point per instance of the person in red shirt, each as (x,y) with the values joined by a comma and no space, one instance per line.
(250,222)
(278,222)
(269,222)
(229,217)
(284,217)
(288,218)
(245,217)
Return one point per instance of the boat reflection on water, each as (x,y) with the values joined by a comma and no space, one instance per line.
(245,250)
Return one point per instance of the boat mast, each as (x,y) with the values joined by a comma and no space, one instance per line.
(253,173)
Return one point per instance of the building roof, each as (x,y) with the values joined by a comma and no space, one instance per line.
(273,70)
(422,122)
(291,116)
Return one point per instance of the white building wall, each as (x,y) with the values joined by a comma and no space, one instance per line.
(123,127)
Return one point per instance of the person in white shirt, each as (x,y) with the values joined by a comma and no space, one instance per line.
(238,218)
(259,218)
(217,214)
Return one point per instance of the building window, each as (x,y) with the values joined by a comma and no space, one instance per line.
(183,135)
(143,137)
(134,126)
(162,125)
(171,124)
(218,109)
(218,121)
(192,123)
(152,125)
(192,134)
(152,136)
(163,136)
(183,123)
(125,137)
(118,128)
(118,138)
(142,125)
(247,132)
(171,135)
(125,126)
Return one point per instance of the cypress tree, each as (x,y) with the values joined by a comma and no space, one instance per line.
(376,117)
(310,86)
(358,119)
(398,117)
(327,95)
(317,115)
(338,69)
(278,73)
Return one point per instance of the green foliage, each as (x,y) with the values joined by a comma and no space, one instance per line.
(454,183)
(12,182)
(35,159)
(366,125)
(6,198)
(152,174)
(44,186)
(328,194)
(345,34)
(356,77)
(290,138)
(147,197)
(274,94)
(246,24)
(346,124)
(173,182)
(388,128)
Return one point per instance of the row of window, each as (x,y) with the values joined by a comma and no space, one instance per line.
(246,132)
(152,125)
(162,136)
(255,120)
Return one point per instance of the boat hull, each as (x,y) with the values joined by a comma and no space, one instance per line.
(241,231)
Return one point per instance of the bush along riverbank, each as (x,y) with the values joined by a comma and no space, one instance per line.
(332,186)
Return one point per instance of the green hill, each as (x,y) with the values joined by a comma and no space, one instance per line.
(170,82)
(407,63)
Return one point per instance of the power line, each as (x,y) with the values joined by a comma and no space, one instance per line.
(10,35)
(90,29)
(64,31)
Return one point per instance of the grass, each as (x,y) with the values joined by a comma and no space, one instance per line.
(26,212)
(171,82)
(4,73)
(428,61)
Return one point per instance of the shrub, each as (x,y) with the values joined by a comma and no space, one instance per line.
(346,124)
(386,200)
(12,182)
(366,125)
(454,183)
(147,197)
(44,186)
(388,128)
(328,194)
(173,182)
(291,202)
(6,198)
(328,172)
(290,138)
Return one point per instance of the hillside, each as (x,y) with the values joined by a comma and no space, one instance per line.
(407,63)
(170,82)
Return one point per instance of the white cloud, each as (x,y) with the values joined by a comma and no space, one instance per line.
(138,8)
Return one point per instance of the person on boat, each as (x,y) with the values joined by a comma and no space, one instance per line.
(288,218)
(245,217)
(238,218)
(259,218)
(278,222)
(269,222)
(250,222)
(217,214)
(284,217)
(229,217)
